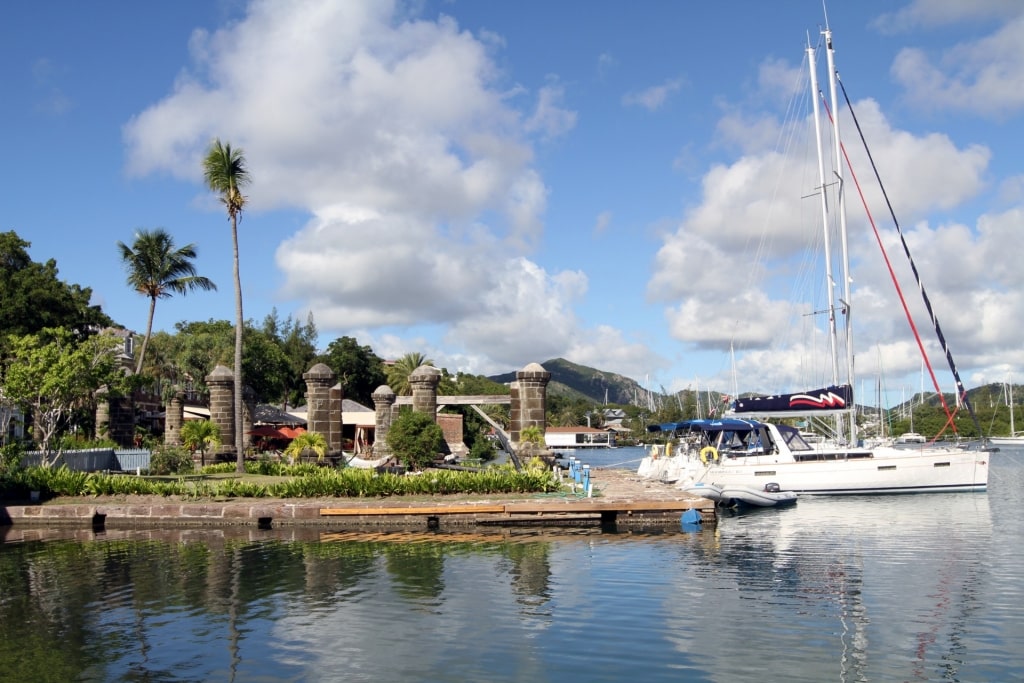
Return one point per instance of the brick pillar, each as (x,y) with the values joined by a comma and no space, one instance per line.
(175,417)
(222,409)
(335,442)
(319,379)
(424,381)
(529,400)
(383,402)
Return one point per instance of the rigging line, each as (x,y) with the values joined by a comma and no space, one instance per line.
(961,390)
(888,265)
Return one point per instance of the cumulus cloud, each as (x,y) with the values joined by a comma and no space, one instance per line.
(414,161)
(742,270)
(984,77)
(933,13)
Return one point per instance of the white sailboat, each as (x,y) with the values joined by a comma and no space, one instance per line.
(1016,439)
(742,450)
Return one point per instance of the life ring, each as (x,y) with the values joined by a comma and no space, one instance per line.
(708,454)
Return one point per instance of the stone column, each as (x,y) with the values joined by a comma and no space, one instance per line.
(336,442)
(175,417)
(319,379)
(383,402)
(530,399)
(424,381)
(515,412)
(222,409)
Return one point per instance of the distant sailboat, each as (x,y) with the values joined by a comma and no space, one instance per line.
(1016,439)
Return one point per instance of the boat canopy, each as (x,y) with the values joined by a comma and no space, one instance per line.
(709,425)
(827,401)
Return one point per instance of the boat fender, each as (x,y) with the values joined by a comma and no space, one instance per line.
(708,454)
(654,451)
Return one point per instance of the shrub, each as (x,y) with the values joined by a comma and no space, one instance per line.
(483,450)
(170,460)
(415,439)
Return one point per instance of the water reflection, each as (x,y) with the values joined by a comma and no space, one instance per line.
(901,588)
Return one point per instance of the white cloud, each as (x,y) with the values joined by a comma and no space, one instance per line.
(984,76)
(413,158)
(932,13)
(652,98)
(741,271)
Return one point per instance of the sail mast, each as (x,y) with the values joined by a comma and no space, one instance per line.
(841,204)
(826,232)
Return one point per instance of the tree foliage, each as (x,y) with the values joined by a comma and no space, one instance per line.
(360,371)
(158,270)
(33,297)
(200,435)
(307,441)
(398,373)
(53,373)
(415,439)
(297,342)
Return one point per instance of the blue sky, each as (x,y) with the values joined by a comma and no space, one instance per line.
(494,184)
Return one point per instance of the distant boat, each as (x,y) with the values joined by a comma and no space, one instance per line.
(910,437)
(1016,439)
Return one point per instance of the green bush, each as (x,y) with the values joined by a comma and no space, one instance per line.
(170,460)
(415,439)
(483,450)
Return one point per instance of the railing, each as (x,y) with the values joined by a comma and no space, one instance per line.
(94,459)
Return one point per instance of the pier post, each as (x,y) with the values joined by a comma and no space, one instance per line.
(319,379)
(222,408)
(383,404)
(529,400)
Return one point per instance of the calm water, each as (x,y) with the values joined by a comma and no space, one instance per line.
(907,588)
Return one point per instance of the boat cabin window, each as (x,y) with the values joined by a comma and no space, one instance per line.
(793,439)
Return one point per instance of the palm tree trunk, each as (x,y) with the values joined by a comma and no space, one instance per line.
(239,432)
(149,331)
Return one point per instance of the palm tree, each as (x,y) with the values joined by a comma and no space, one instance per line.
(226,174)
(198,435)
(157,270)
(398,373)
(306,441)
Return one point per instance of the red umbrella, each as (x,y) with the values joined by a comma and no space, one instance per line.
(269,431)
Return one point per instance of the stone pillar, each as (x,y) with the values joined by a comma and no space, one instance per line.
(175,417)
(319,379)
(424,381)
(383,402)
(335,442)
(515,416)
(529,399)
(222,409)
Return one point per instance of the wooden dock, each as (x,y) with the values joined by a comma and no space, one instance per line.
(557,512)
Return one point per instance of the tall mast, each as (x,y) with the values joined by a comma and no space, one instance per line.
(827,244)
(833,96)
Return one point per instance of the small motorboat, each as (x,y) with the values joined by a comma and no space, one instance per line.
(769,496)
(704,490)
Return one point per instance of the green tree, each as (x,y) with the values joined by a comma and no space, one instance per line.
(54,373)
(225,171)
(198,435)
(307,441)
(157,270)
(33,297)
(398,373)
(359,369)
(298,344)
(415,439)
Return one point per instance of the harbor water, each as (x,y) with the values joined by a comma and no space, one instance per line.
(888,588)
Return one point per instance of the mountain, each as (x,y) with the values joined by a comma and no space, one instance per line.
(579,381)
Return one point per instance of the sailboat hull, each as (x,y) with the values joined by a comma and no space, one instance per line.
(877,473)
